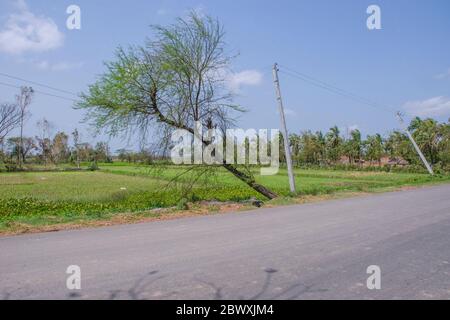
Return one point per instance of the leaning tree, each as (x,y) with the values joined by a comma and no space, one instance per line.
(175,80)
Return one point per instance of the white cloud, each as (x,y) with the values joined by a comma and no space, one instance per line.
(444,75)
(437,106)
(58,66)
(26,32)
(244,78)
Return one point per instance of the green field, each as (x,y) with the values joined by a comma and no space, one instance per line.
(36,198)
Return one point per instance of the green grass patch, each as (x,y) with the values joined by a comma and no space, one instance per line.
(40,198)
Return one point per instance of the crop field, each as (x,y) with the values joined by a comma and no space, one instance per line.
(34,198)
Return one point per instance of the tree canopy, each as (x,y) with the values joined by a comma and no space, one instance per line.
(175,80)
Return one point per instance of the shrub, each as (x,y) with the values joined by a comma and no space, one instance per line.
(93,166)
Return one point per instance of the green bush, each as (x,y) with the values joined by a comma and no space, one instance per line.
(93,166)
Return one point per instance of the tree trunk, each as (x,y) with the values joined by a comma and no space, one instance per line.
(78,158)
(250,181)
(20,152)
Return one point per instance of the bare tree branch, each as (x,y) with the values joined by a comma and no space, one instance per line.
(9,119)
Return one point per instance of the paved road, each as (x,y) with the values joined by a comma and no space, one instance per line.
(309,251)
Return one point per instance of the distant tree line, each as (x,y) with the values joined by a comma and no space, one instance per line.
(308,148)
(332,148)
(50,150)
(44,148)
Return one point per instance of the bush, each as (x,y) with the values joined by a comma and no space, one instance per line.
(183,204)
(93,166)
(12,167)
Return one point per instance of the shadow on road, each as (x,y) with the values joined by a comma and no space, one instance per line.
(292,292)
(142,289)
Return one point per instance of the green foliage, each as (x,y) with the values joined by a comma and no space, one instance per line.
(42,197)
(433,138)
(183,204)
(93,166)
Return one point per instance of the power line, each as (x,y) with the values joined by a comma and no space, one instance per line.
(36,83)
(39,92)
(340,92)
(334,89)
(368,102)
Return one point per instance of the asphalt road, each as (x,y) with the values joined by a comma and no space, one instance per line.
(311,251)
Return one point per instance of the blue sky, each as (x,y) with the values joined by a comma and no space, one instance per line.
(405,65)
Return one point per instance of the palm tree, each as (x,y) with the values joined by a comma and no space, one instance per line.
(353,147)
(374,148)
(334,144)
(294,141)
(322,146)
(428,136)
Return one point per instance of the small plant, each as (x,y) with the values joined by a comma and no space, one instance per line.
(93,166)
(183,204)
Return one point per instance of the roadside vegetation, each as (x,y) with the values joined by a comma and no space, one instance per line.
(175,81)
(32,200)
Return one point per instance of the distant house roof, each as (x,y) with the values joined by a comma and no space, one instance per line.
(398,161)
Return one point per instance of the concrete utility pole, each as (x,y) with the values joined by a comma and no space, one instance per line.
(422,157)
(287,149)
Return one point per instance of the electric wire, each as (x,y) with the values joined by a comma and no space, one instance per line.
(36,83)
(334,89)
(40,92)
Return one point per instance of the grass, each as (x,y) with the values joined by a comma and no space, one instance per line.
(35,200)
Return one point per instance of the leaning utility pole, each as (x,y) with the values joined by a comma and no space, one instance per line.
(287,149)
(23,101)
(422,157)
